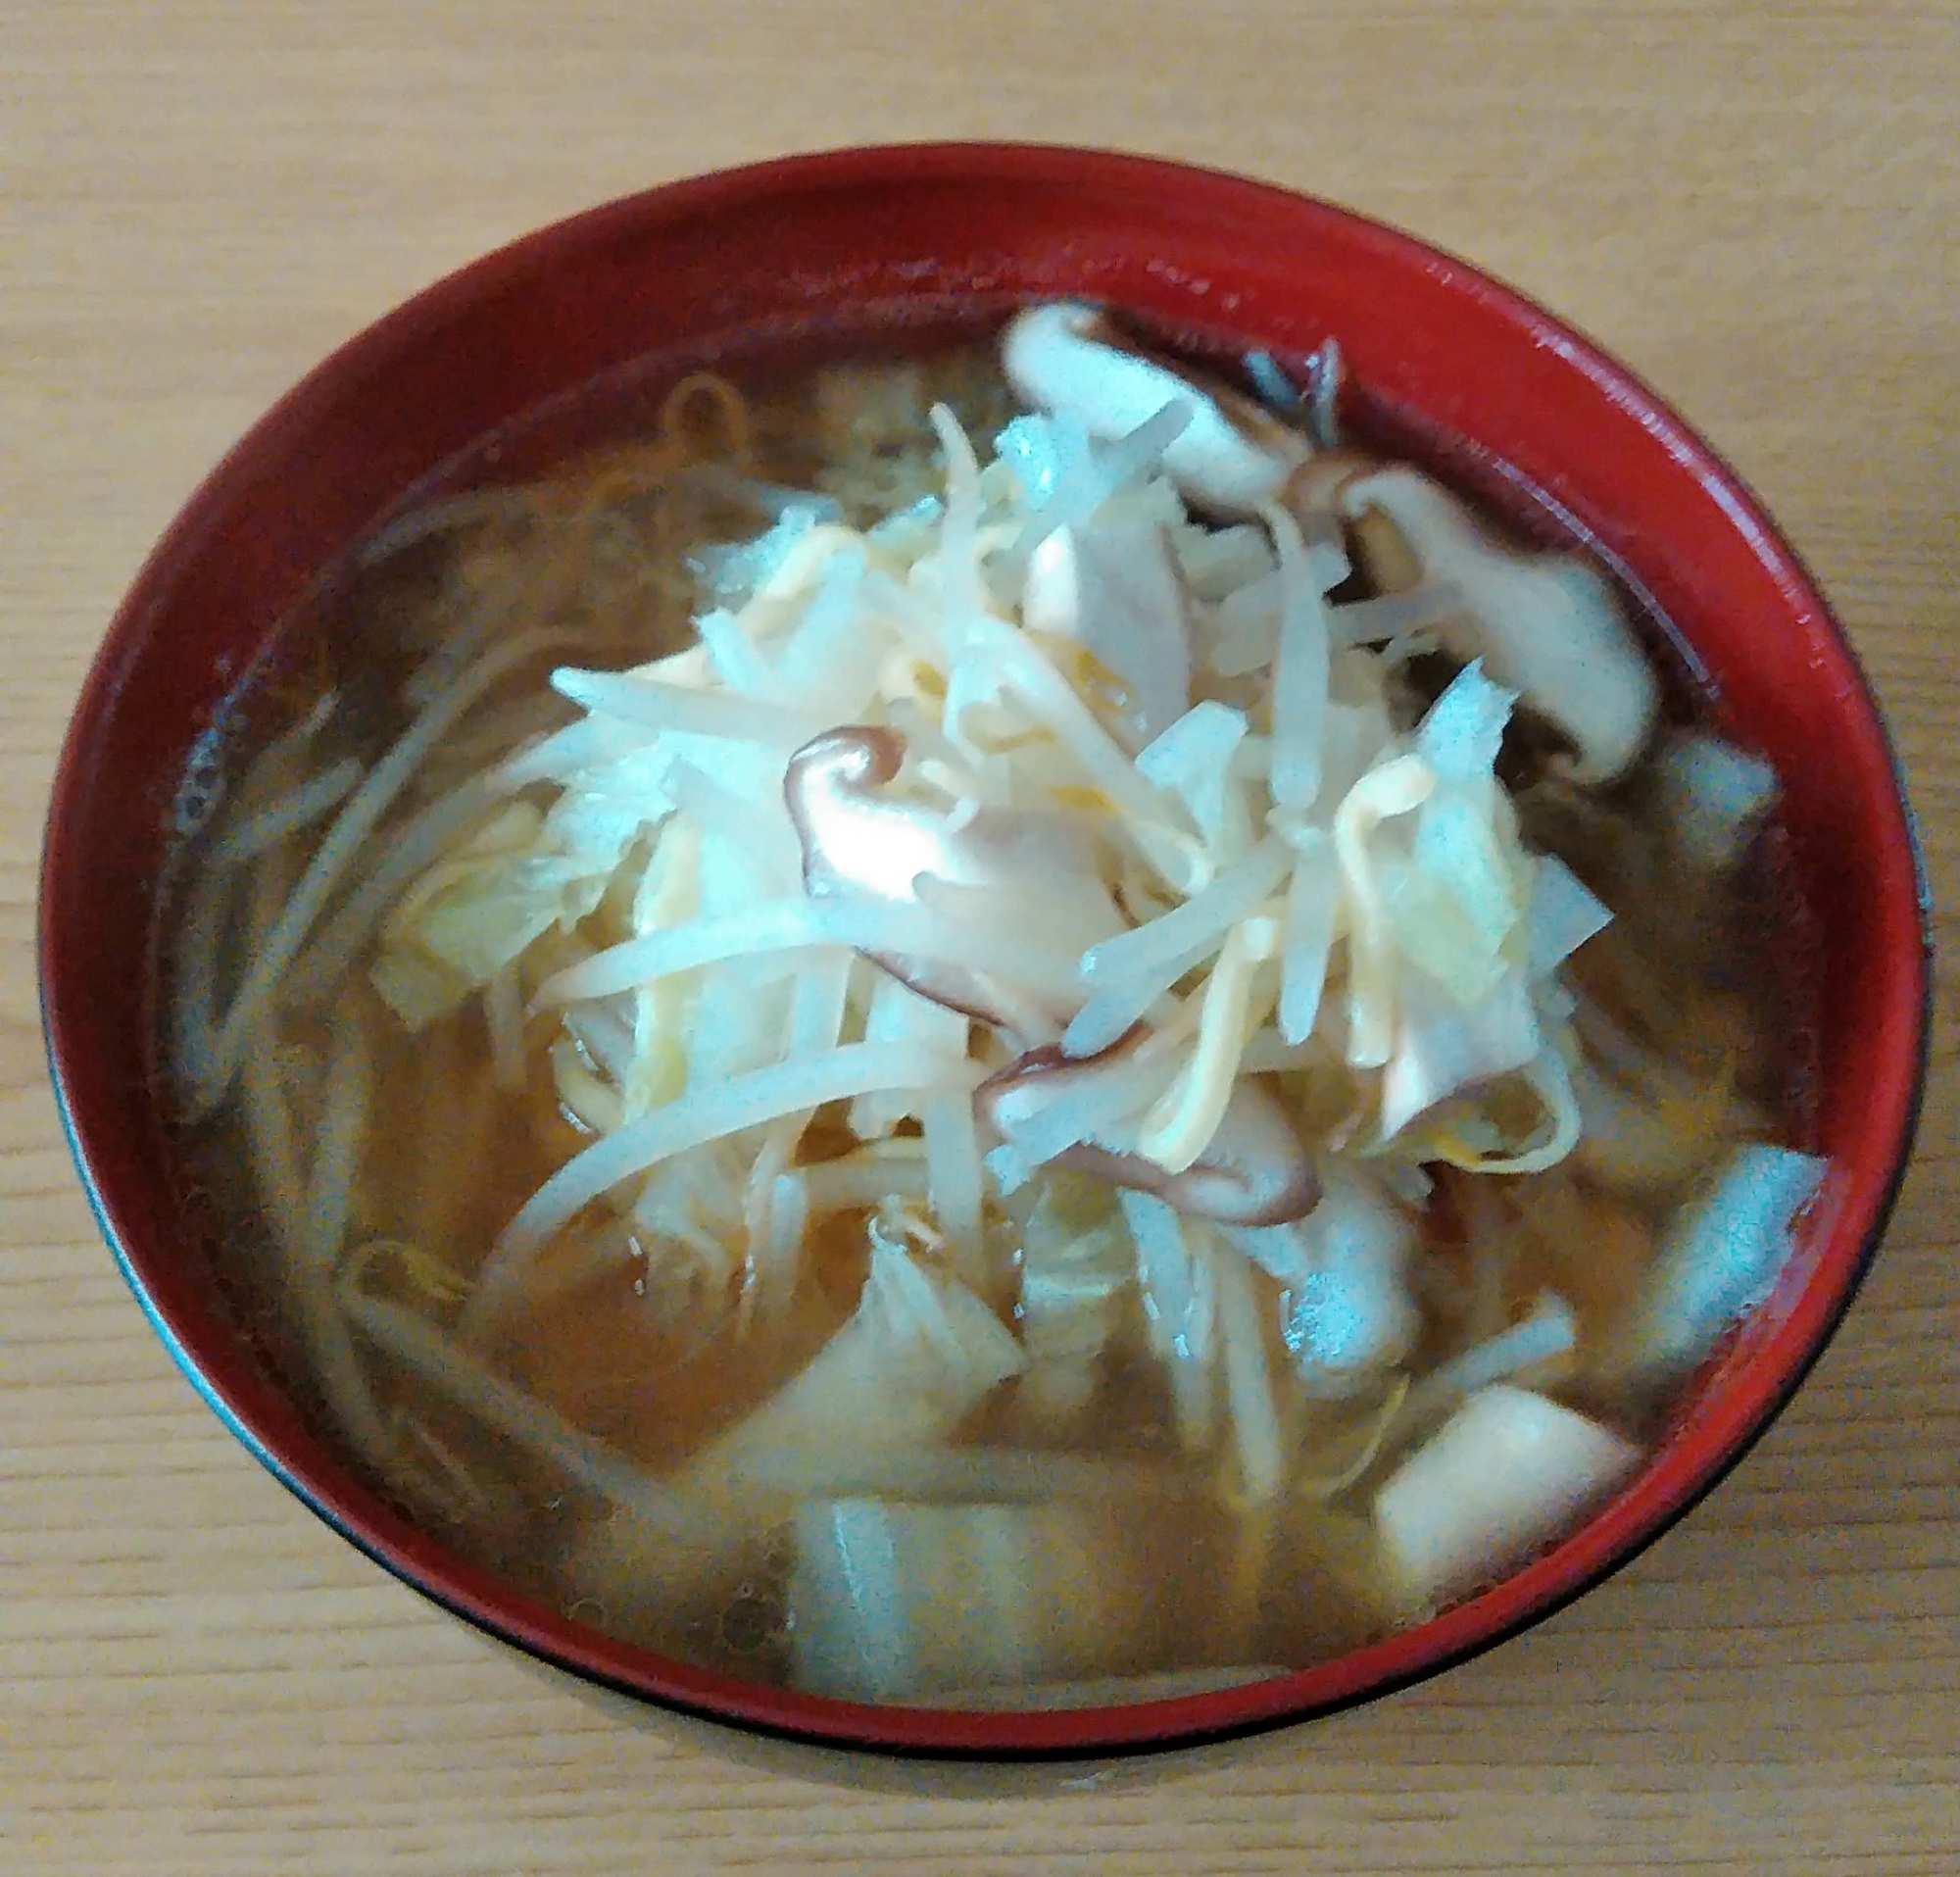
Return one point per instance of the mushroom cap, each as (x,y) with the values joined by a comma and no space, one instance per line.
(1232,457)
(1547,625)
(856,839)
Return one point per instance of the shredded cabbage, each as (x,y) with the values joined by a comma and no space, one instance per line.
(1277,877)
(918,1354)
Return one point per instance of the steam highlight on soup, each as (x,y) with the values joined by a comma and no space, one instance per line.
(997,1025)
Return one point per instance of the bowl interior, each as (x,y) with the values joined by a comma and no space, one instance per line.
(1435,345)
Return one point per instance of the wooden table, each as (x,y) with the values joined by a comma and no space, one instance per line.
(1754,205)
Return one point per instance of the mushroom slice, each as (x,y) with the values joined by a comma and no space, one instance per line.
(1230,458)
(858,839)
(1545,625)
(1255,1172)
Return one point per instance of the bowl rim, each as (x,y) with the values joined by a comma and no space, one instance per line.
(331,1491)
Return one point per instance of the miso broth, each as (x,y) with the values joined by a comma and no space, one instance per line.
(982,1033)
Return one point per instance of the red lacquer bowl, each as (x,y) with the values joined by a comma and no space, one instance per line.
(1434,345)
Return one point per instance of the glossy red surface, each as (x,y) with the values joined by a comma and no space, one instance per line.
(1424,332)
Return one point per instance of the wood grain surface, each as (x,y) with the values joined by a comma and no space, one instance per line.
(1755,205)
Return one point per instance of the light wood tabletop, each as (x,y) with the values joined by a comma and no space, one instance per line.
(1755,205)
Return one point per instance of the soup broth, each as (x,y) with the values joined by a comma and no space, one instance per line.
(1196,1122)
